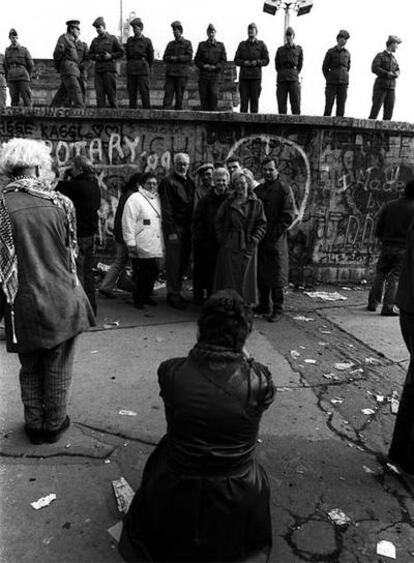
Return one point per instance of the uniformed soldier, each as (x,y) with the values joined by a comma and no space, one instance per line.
(386,68)
(19,67)
(178,56)
(140,56)
(288,62)
(71,61)
(105,50)
(250,56)
(210,59)
(3,83)
(335,68)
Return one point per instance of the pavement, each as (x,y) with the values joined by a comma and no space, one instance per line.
(333,496)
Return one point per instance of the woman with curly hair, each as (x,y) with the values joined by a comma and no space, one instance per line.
(240,226)
(204,496)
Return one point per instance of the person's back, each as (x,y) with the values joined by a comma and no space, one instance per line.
(395,220)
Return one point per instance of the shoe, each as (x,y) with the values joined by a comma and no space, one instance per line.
(52,436)
(261,310)
(175,304)
(390,313)
(107,294)
(151,302)
(35,435)
(274,317)
(371,307)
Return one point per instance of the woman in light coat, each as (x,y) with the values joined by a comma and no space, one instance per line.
(141,227)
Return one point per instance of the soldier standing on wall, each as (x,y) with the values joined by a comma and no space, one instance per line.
(3,83)
(178,55)
(386,68)
(140,56)
(210,58)
(105,50)
(335,68)
(71,61)
(250,56)
(288,62)
(19,67)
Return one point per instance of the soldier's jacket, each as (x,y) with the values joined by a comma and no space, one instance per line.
(84,60)
(139,55)
(70,55)
(211,53)
(105,44)
(248,50)
(336,65)
(182,49)
(383,64)
(18,63)
(288,63)
(2,65)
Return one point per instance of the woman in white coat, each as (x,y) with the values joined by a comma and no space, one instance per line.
(141,227)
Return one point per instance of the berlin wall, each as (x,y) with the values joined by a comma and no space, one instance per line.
(341,170)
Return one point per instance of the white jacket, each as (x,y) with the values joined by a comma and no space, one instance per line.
(141,224)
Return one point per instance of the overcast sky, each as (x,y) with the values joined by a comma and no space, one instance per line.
(369,23)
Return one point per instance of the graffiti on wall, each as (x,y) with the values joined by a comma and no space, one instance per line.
(339,181)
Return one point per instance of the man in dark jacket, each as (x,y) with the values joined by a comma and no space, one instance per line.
(19,66)
(273,256)
(288,62)
(178,55)
(105,50)
(71,61)
(177,203)
(205,245)
(250,56)
(335,68)
(392,226)
(387,69)
(44,306)
(83,190)
(210,59)
(140,56)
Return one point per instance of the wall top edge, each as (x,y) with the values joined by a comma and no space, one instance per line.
(208,117)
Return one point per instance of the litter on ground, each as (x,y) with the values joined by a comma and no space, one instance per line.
(342,366)
(387,549)
(326,295)
(44,501)
(367,411)
(127,413)
(303,318)
(309,361)
(295,354)
(338,517)
(123,493)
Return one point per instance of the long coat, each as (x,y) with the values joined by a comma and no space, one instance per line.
(273,256)
(204,496)
(239,231)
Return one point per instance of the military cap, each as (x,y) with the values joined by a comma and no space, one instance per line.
(99,21)
(289,31)
(393,39)
(208,166)
(73,23)
(136,22)
(343,33)
(251,25)
(13,32)
(211,27)
(177,24)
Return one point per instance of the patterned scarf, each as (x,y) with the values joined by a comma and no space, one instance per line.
(8,259)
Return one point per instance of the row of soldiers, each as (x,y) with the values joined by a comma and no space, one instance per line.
(72,58)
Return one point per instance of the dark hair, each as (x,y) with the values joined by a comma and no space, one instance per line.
(268,160)
(146,176)
(225,320)
(132,183)
(409,190)
(232,159)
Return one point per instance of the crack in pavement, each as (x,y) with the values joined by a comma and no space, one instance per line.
(116,434)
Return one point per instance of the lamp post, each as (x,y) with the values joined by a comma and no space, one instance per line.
(302,7)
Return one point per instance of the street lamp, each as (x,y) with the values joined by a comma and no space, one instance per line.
(302,7)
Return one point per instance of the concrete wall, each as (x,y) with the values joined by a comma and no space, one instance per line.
(46,81)
(341,170)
